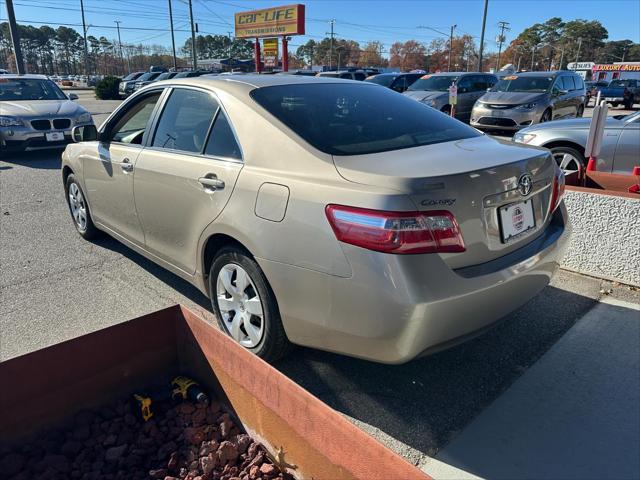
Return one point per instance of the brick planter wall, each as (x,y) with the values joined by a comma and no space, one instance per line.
(605,242)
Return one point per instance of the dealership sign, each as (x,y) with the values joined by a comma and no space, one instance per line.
(288,20)
(270,52)
(580,65)
(620,67)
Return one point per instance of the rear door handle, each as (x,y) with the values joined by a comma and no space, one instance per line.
(126,165)
(211,182)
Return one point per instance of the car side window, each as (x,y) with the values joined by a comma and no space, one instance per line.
(360,76)
(222,142)
(399,84)
(557,85)
(464,85)
(346,75)
(579,83)
(131,126)
(185,120)
(491,81)
(567,83)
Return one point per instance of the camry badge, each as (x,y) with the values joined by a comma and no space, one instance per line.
(525,184)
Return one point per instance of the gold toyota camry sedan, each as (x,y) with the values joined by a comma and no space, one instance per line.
(334,214)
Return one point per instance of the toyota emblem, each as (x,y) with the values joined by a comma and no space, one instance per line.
(525,184)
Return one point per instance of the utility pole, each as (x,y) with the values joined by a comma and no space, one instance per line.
(561,58)
(451,45)
(332,22)
(230,43)
(118,22)
(624,51)
(501,38)
(484,24)
(578,52)
(173,38)
(193,38)
(15,37)
(84,36)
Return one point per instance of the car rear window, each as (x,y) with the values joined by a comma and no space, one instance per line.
(384,80)
(348,119)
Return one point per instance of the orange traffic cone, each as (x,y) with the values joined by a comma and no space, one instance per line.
(636,170)
(591,165)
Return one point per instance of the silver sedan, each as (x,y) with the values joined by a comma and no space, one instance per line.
(36,114)
(567,139)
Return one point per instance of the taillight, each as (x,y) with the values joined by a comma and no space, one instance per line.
(557,191)
(396,232)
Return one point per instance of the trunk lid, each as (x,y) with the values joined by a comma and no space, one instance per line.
(471,178)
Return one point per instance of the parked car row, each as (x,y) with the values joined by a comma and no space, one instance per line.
(137,80)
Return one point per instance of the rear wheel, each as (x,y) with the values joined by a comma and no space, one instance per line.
(568,159)
(245,305)
(614,104)
(580,111)
(628,103)
(79,209)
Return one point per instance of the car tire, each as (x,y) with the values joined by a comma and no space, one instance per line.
(546,116)
(628,104)
(263,335)
(79,209)
(614,104)
(580,111)
(573,160)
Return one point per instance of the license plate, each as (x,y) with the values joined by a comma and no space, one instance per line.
(54,136)
(610,99)
(497,113)
(516,219)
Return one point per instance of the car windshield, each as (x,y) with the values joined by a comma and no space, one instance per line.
(634,117)
(131,76)
(516,83)
(147,76)
(348,119)
(22,89)
(620,83)
(329,75)
(434,83)
(384,80)
(166,75)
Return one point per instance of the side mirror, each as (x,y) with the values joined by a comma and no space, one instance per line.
(73,96)
(84,133)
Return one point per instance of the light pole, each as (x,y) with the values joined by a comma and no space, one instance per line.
(339,49)
(84,36)
(173,40)
(118,22)
(15,37)
(484,24)
(451,46)
(193,38)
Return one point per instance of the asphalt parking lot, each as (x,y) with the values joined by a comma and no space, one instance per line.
(545,360)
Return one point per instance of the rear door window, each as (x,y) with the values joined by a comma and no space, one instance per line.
(222,142)
(185,120)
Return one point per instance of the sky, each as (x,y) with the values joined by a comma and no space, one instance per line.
(147,21)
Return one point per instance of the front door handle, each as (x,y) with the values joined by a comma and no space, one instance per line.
(126,165)
(211,182)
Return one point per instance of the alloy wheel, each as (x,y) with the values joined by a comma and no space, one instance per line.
(240,305)
(567,162)
(78,206)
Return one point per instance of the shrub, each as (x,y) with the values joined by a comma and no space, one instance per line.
(107,88)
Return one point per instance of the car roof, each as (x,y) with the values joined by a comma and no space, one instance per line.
(31,76)
(552,73)
(238,84)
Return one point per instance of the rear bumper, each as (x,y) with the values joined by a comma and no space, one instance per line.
(397,307)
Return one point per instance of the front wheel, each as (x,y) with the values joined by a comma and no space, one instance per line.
(245,305)
(628,103)
(568,159)
(546,116)
(580,111)
(79,209)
